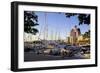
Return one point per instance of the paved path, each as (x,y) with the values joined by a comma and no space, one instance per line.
(29,56)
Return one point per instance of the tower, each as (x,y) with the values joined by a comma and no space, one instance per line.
(75,32)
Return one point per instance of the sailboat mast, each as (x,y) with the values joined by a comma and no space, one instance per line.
(46,28)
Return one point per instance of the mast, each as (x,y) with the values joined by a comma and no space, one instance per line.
(59,36)
(55,35)
(46,28)
(40,33)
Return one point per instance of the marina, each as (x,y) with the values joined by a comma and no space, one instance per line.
(55,40)
(55,51)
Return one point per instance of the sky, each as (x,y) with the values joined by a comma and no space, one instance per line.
(57,24)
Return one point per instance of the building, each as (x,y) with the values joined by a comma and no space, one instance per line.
(83,41)
(68,40)
(76,38)
(74,34)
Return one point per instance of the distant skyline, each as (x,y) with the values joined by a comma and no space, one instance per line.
(58,24)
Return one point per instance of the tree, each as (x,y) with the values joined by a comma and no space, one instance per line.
(83,18)
(30,21)
(87,34)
